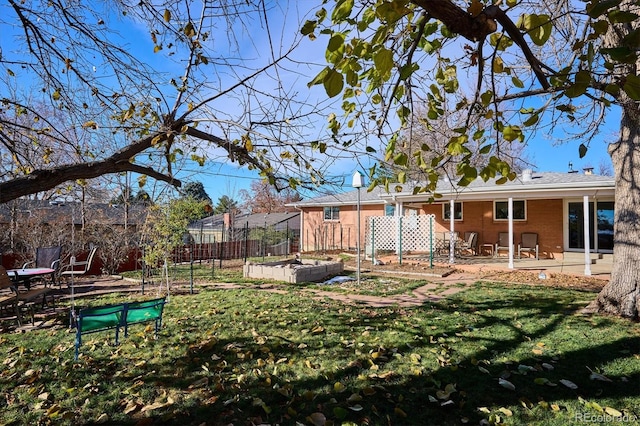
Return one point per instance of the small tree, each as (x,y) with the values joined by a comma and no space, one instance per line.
(166,226)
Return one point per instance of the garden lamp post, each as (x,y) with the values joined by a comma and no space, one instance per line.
(357,183)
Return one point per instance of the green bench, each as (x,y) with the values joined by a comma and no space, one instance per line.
(109,317)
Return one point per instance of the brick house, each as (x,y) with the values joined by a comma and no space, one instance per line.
(551,205)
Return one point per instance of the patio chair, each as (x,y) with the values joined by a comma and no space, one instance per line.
(502,243)
(528,243)
(46,257)
(445,243)
(469,244)
(78,268)
(8,301)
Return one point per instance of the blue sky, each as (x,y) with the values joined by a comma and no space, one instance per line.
(220,178)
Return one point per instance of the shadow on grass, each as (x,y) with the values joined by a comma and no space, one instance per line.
(249,357)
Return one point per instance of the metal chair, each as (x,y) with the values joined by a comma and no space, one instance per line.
(528,243)
(46,257)
(503,243)
(470,243)
(77,268)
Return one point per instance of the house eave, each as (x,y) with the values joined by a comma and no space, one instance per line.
(599,189)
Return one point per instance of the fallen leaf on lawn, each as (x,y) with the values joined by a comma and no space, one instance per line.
(54,410)
(399,412)
(569,384)
(318,419)
(153,406)
(555,407)
(368,391)
(612,412)
(103,418)
(524,369)
(340,412)
(339,387)
(356,407)
(506,411)
(354,398)
(131,407)
(598,376)
(547,366)
(483,370)
(525,402)
(484,410)
(506,384)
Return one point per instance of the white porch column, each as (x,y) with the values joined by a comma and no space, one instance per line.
(452,241)
(510,209)
(398,213)
(587,236)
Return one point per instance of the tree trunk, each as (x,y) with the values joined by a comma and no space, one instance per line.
(621,296)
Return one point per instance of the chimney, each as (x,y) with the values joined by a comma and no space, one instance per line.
(527,175)
(588,170)
(227,219)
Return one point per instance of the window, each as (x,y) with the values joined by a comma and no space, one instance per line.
(331,213)
(389,209)
(457,211)
(501,210)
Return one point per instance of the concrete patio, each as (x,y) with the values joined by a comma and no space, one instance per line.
(572,264)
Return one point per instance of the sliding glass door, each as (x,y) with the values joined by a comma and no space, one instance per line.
(600,225)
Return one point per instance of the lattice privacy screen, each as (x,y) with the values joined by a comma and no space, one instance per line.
(400,233)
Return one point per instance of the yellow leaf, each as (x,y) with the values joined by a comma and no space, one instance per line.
(339,387)
(167,15)
(131,407)
(612,412)
(506,411)
(103,418)
(54,410)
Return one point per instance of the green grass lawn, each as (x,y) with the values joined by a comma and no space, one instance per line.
(505,354)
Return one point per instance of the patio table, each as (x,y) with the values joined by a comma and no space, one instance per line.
(25,275)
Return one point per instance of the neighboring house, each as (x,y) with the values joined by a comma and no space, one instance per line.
(58,213)
(226,227)
(552,205)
